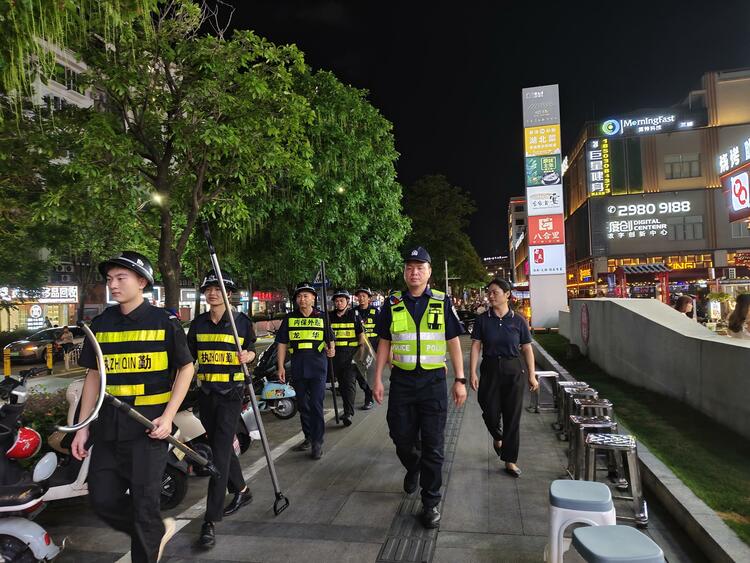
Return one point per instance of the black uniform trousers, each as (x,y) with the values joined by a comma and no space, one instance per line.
(219,415)
(418,407)
(500,396)
(136,465)
(310,394)
(346,376)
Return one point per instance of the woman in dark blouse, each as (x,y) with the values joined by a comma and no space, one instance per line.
(502,336)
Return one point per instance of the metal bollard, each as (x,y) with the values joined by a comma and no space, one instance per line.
(6,362)
(50,358)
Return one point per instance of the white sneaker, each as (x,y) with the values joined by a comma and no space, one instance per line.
(170,527)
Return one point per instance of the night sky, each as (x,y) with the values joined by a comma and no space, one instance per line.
(449,74)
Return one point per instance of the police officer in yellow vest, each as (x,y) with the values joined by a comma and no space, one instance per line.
(349,336)
(305,332)
(368,313)
(222,384)
(418,326)
(149,366)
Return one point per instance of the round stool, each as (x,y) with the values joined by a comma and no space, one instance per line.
(576,501)
(616,544)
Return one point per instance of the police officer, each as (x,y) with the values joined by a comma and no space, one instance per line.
(222,383)
(502,336)
(307,335)
(149,366)
(418,326)
(348,336)
(368,313)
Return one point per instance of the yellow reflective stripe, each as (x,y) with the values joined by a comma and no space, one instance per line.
(304,346)
(347,343)
(218,357)
(305,322)
(344,333)
(306,335)
(136,362)
(159,399)
(342,325)
(226,338)
(126,390)
(221,377)
(131,336)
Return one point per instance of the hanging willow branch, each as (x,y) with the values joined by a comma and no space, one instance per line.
(23,23)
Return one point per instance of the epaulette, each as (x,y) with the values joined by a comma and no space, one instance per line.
(439,295)
(395,298)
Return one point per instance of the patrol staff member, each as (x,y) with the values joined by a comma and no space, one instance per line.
(348,336)
(418,326)
(307,335)
(368,313)
(222,384)
(502,336)
(149,366)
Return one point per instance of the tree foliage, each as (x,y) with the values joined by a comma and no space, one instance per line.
(439,214)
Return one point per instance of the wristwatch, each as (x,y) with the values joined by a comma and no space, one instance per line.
(460,380)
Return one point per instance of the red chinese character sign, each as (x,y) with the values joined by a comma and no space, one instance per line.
(546,229)
(737,191)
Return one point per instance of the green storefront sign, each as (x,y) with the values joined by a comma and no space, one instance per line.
(543,170)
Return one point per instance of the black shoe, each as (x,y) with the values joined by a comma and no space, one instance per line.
(411,481)
(347,421)
(303,447)
(430,517)
(368,405)
(317,451)
(239,500)
(207,538)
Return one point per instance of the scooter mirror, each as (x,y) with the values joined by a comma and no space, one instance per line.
(45,467)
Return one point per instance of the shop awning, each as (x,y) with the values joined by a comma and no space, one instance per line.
(646,268)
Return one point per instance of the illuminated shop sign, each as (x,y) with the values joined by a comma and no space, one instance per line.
(543,200)
(737,192)
(546,229)
(734,157)
(598,167)
(643,219)
(651,124)
(47,294)
(543,170)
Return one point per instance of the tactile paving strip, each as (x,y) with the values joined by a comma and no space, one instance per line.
(407,540)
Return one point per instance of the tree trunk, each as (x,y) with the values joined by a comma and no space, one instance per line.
(169,263)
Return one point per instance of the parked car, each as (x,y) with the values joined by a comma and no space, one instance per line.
(467,319)
(34,347)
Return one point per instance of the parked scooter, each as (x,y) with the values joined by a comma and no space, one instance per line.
(271,394)
(70,477)
(21,494)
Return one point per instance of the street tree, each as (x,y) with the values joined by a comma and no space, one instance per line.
(439,213)
(352,218)
(186,124)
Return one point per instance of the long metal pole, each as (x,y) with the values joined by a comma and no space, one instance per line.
(281,501)
(446,278)
(324,296)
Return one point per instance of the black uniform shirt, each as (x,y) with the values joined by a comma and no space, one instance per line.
(501,337)
(203,324)
(306,363)
(416,307)
(111,423)
(364,315)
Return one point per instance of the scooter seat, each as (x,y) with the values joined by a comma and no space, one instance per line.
(21,494)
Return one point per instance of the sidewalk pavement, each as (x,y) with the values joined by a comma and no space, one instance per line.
(350,507)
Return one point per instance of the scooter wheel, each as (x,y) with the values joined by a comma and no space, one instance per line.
(205,450)
(285,408)
(14,550)
(244,441)
(173,487)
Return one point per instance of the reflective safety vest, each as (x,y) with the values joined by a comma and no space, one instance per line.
(368,321)
(137,364)
(306,333)
(218,362)
(343,327)
(425,343)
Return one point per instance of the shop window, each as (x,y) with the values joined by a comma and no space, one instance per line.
(741,230)
(678,166)
(685,228)
(519,209)
(520,222)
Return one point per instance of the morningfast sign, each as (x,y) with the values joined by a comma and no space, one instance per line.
(653,123)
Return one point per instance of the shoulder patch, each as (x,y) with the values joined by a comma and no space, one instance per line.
(395,298)
(439,295)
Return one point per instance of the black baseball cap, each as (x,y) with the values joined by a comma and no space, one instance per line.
(418,254)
